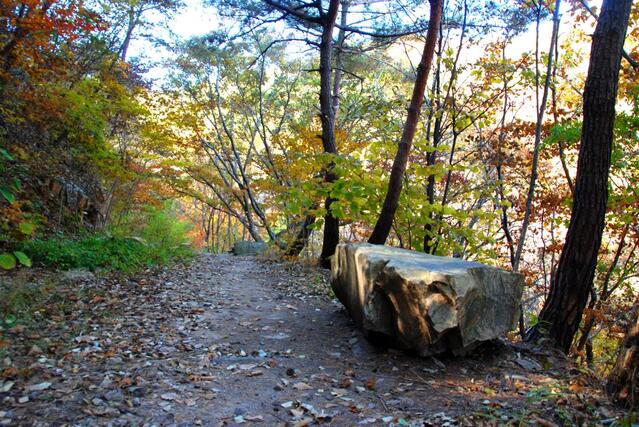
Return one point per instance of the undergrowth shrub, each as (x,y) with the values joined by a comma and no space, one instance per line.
(90,252)
(153,236)
(160,230)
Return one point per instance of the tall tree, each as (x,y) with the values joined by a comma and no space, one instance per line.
(314,23)
(541,109)
(391,201)
(311,19)
(570,287)
(327,113)
(304,228)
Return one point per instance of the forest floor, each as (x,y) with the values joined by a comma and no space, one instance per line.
(238,340)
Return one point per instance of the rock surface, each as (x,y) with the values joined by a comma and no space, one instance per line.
(423,302)
(246,247)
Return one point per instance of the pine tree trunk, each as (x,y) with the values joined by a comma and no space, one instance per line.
(569,290)
(331,224)
(386,216)
(623,382)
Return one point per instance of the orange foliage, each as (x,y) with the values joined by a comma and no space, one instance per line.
(34,31)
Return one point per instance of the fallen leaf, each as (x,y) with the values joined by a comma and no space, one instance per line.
(169,396)
(86,339)
(370,383)
(543,422)
(17,329)
(297,412)
(291,372)
(125,382)
(39,387)
(345,382)
(575,388)
(5,387)
(34,350)
(247,366)
(302,386)
(11,371)
(303,423)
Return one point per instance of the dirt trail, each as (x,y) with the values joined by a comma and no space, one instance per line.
(235,340)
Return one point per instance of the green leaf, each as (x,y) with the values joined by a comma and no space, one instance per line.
(10,320)
(23,258)
(27,228)
(4,153)
(7,261)
(7,195)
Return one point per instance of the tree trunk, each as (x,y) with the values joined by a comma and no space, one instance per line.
(569,289)
(331,224)
(301,238)
(431,157)
(541,109)
(624,379)
(341,38)
(386,216)
(498,168)
(437,238)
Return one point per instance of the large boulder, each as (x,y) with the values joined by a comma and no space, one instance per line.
(423,302)
(247,247)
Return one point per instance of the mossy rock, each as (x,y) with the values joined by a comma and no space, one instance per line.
(245,247)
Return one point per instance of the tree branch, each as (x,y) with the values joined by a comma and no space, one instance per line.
(633,63)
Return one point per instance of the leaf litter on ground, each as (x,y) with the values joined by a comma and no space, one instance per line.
(229,340)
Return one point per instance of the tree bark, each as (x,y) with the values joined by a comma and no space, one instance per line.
(624,379)
(431,157)
(505,225)
(134,20)
(301,238)
(339,50)
(326,20)
(570,287)
(331,224)
(436,239)
(391,201)
(541,109)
